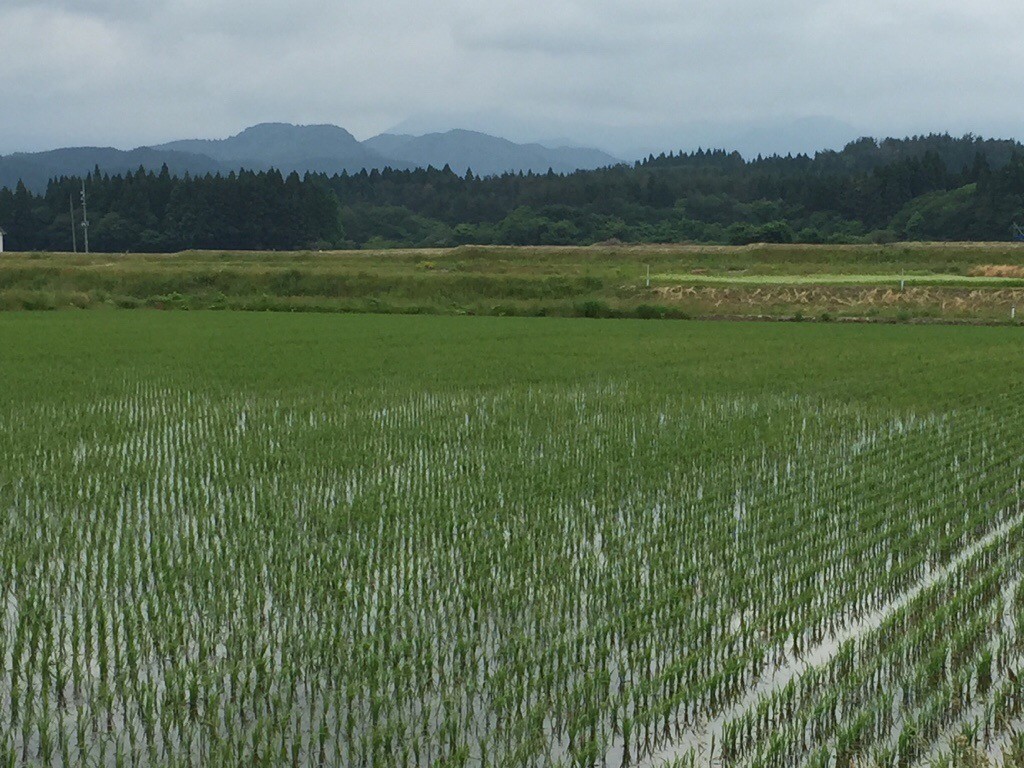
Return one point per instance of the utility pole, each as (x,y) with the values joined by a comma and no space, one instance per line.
(74,235)
(85,219)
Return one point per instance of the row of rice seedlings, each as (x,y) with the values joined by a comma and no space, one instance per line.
(914,674)
(980,515)
(531,577)
(995,725)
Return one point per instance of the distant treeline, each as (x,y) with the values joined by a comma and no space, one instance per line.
(924,188)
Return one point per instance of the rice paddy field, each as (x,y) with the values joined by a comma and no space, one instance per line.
(271,539)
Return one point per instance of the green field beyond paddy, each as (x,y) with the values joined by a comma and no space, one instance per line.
(910,282)
(271,539)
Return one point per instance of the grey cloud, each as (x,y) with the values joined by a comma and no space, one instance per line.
(110,9)
(665,71)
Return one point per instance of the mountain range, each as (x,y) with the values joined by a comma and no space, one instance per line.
(317,148)
(764,135)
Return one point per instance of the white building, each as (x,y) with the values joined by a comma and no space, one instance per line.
(2,233)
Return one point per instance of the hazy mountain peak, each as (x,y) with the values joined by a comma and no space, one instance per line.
(462,149)
(295,133)
(281,144)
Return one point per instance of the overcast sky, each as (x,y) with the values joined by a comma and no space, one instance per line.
(126,73)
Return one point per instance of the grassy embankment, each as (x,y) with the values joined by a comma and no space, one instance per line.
(905,282)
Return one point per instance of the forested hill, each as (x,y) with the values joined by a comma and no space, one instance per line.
(933,187)
(865,154)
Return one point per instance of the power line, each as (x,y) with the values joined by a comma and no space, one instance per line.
(85,219)
(74,235)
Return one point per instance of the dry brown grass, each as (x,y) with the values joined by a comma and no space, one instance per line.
(996,270)
(845,296)
(928,304)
